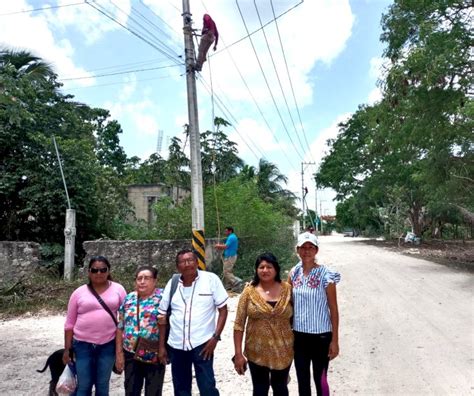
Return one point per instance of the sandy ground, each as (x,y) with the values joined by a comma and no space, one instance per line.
(406,329)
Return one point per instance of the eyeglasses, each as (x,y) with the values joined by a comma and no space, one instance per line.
(144,278)
(188,261)
(96,270)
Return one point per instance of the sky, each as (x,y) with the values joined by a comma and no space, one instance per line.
(284,88)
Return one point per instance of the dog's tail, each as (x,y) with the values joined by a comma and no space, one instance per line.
(44,368)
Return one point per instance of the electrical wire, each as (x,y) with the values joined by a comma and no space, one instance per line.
(121,72)
(41,9)
(170,51)
(257,30)
(227,113)
(267,83)
(278,77)
(289,79)
(229,53)
(119,83)
(133,32)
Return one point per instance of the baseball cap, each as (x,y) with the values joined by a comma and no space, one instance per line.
(307,237)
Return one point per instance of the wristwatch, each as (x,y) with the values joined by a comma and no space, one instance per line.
(216,336)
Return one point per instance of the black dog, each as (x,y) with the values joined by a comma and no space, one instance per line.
(56,366)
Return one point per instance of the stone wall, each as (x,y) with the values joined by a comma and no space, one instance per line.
(160,254)
(17,260)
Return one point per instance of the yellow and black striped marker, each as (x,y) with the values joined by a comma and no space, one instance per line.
(199,246)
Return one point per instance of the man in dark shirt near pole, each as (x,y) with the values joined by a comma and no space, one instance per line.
(209,35)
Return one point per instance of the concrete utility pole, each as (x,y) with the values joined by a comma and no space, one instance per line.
(303,191)
(69,229)
(316,205)
(197,200)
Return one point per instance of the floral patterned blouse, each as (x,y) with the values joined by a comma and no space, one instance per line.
(148,313)
(268,338)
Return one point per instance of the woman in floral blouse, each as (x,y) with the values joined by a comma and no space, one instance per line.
(265,304)
(316,316)
(138,318)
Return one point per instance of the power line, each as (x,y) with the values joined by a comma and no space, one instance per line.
(160,18)
(266,82)
(278,77)
(289,79)
(255,101)
(257,30)
(133,32)
(171,53)
(127,64)
(121,72)
(229,115)
(41,9)
(119,83)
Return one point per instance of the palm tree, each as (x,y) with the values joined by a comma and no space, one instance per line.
(269,179)
(25,64)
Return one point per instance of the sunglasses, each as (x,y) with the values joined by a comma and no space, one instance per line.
(101,270)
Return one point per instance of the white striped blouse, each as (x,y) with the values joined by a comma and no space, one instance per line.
(310,303)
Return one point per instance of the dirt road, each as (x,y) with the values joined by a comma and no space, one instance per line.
(406,329)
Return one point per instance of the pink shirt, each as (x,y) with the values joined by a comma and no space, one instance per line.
(86,317)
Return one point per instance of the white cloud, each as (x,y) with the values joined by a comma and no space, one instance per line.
(129,88)
(142,115)
(88,21)
(32,32)
(251,133)
(374,96)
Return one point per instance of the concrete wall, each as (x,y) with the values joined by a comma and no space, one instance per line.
(17,260)
(160,254)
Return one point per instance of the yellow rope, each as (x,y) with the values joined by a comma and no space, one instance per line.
(214,152)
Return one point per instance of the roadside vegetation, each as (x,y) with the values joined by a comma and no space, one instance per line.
(406,163)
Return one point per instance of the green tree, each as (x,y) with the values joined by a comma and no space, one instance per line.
(218,155)
(32,197)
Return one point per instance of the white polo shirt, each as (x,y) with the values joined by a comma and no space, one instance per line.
(193,310)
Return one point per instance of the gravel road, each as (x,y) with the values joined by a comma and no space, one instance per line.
(406,329)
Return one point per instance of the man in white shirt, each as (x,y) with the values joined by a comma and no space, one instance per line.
(194,333)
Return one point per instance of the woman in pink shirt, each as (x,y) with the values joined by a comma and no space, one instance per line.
(89,330)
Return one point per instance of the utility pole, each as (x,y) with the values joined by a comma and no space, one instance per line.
(321,214)
(70,227)
(316,205)
(197,201)
(304,191)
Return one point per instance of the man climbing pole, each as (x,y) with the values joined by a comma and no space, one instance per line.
(209,35)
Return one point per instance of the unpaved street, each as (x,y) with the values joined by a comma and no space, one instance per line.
(406,329)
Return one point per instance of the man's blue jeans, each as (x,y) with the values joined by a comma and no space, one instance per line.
(94,366)
(181,370)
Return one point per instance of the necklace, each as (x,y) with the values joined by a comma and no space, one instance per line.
(267,291)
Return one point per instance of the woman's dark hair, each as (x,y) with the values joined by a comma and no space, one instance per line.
(271,259)
(153,270)
(100,259)
(184,251)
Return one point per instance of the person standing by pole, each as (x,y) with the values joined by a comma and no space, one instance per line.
(229,258)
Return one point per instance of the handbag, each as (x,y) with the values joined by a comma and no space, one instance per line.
(107,309)
(146,351)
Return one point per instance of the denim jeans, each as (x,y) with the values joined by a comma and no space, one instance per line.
(94,366)
(181,370)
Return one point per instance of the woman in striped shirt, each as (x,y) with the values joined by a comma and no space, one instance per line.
(316,317)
